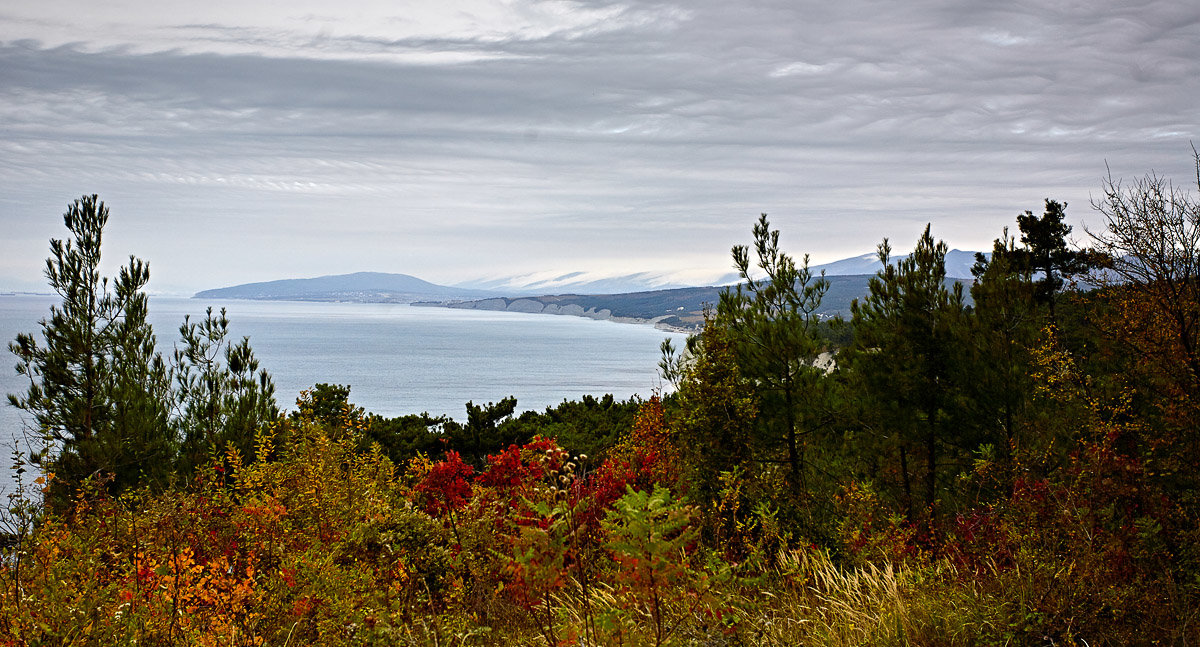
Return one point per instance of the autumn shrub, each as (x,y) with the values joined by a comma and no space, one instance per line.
(657,586)
(1086,546)
(550,518)
(320,539)
(1082,540)
(1104,517)
(871,531)
(312,542)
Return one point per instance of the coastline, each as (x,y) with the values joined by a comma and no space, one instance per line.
(534,305)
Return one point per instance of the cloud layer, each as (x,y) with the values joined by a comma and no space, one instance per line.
(494,138)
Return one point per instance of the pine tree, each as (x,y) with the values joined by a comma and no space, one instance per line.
(1046,253)
(483,434)
(98,391)
(906,357)
(222,403)
(1006,324)
(772,325)
(716,412)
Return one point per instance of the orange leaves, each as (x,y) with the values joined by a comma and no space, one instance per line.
(537,569)
(223,562)
(305,606)
(647,448)
(317,541)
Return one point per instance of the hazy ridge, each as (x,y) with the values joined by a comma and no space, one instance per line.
(580,294)
(362,287)
(677,309)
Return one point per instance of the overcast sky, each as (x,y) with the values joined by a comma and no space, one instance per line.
(246,141)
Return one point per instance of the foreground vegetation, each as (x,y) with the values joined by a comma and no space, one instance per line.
(1019,471)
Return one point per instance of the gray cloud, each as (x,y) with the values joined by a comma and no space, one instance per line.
(598,136)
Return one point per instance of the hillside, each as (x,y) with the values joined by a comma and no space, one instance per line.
(578,293)
(363,287)
(958,264)
(680,308)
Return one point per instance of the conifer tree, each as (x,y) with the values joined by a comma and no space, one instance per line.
(1005,326)
(482,434)
(772,323)
(222,394)
(98,391)
(1046,253)
(906,357)
(716,412)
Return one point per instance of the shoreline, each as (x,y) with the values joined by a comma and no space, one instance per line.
(528,305)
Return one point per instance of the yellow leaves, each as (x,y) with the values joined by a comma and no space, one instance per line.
(648,444)
(400,572)
(1057,377)
(264,442)
(1054,374)
(218,562)
(418,467)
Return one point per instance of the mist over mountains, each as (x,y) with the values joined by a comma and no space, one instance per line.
(382,287)
(591,283)
(958,265)
(658,298)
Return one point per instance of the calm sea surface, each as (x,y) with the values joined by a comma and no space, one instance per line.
(398,359)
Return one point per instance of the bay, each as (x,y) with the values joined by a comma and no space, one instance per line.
(397,358)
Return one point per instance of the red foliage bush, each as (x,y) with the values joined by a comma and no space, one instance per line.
(447,486)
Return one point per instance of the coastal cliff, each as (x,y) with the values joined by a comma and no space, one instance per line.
(679,309)
(683,319)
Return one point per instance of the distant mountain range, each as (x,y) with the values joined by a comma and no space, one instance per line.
(586,283)
(958,265)
(675,309)
(680,308)
(364,287)
(641,297)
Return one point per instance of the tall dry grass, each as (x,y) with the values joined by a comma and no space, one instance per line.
(815,602)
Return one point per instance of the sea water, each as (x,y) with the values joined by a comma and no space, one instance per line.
(396,358)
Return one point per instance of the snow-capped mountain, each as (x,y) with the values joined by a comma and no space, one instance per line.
(541,283)
(958,264)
